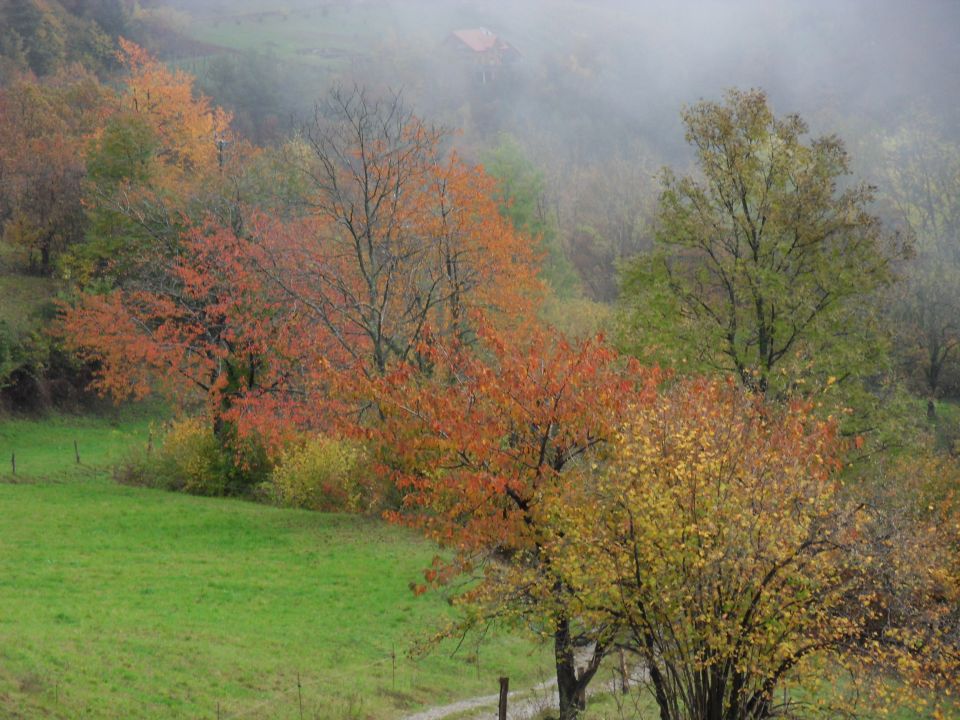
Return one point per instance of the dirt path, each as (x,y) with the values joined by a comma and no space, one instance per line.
(536,698)
(524,704)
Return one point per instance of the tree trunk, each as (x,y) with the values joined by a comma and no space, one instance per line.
(568,685)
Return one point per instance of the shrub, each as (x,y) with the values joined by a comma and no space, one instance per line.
(317,473)
(188,459)
(191,457)
(246,464)
(326,474)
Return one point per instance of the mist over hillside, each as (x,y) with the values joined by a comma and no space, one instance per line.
(634,64)
(589,93)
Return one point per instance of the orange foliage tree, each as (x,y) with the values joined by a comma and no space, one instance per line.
(481,449)
(398,236)
(404,235)
(206,330)
(157,165)
(186,125)
(166,303)
(739,569)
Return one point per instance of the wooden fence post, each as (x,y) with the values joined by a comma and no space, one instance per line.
(76,452)
(299,695)
(504,689)
(13,462)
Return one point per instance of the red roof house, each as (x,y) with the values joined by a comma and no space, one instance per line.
(484,48)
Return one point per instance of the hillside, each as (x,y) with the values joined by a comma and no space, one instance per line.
(122,602)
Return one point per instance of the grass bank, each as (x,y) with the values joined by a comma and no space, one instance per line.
(123,602)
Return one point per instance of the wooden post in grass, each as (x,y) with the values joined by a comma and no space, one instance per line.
(300,695)
(76,452)
(504,689)
(13,462)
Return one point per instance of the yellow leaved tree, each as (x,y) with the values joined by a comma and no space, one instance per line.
(748,580)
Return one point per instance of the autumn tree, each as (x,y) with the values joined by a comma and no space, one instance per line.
(154,170)
(763,264)
(913,567)
(46,36)
(721,537)
(159,307)
(480,452)
(45,128)
(203,332)
(391,235)
(404,235)
(41,31)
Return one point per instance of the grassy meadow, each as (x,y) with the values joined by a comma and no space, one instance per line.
(343,32)
(45,449)
(122,602)
(323,39)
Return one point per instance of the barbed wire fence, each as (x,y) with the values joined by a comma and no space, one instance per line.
(308,698)
(301,697)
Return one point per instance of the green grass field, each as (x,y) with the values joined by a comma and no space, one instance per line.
(350,31)
(45,449)
(119,602)
(299,31)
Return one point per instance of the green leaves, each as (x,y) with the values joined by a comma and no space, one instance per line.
(761,264)
(521,191)
(123,151)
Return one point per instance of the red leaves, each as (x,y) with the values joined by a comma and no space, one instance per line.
(498,425)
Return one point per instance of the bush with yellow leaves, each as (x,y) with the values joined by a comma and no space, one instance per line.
(323,473)
(188,459)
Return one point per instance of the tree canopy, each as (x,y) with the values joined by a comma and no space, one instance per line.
(764,261)
(721,538)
